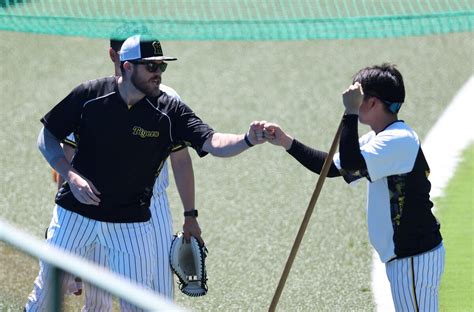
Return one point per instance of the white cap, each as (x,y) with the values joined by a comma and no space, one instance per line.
(136,49)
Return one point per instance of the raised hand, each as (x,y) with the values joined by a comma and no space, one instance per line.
(352,98)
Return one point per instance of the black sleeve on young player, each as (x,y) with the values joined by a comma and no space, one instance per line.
(311,158)
(349,149)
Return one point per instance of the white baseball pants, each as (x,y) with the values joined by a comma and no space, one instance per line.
(129,248)
(98,300)
(415,281)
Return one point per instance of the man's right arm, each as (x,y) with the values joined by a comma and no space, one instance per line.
(69,152)
(84,191)
(51,149)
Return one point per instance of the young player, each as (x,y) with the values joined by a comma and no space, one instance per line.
(401,225)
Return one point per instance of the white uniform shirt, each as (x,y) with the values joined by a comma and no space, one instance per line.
(390,152)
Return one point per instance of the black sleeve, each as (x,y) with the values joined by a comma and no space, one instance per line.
(311,158)
(349,149)
(189,128)
(178,146)
(65,117)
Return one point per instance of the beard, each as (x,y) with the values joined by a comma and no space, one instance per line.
(149,87)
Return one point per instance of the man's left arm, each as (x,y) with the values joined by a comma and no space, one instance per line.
(182,166)
(228,145)
(225,144)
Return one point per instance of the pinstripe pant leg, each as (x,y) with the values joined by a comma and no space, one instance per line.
(68,231)
(163,236)
(399,276)
(96,299)
(429,268)
(131,253)
(415,281)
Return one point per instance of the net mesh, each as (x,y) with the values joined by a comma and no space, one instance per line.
(238,19)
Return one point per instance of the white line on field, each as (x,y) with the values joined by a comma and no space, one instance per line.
(442,147)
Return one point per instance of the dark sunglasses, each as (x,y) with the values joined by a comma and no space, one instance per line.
(152,67)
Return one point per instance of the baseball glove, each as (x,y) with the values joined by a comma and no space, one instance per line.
(188,263)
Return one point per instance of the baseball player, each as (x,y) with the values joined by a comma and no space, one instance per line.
(98,300)
(125,127)
(401,226)
(161,217)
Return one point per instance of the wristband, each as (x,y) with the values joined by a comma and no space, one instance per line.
(191,213)
(247,141)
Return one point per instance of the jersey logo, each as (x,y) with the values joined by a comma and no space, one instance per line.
(157,48)
(142,133)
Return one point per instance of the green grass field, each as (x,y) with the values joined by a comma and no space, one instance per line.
(253,203)
(457,219)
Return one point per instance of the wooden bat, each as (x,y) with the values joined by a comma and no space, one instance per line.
(307,216)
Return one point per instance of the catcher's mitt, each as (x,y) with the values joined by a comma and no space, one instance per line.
(188,263)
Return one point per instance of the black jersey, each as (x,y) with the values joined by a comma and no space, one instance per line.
(120,149)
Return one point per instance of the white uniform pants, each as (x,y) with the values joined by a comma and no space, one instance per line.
(415,281)
(128,247)
(97,300)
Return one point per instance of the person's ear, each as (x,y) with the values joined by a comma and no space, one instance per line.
(114,56)
(372,101)
(127,66)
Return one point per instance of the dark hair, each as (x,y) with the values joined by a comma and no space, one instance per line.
(116,44)
(384,82)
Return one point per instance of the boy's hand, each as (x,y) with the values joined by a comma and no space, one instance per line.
(277,136)
(352,98)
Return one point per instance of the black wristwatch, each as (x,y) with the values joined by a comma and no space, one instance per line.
(191,213)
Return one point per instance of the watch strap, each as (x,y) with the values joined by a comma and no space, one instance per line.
(191,213)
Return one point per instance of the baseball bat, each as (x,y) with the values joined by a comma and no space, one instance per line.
(307,216)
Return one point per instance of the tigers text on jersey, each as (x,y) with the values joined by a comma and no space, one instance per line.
(120,148)
(399,214)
